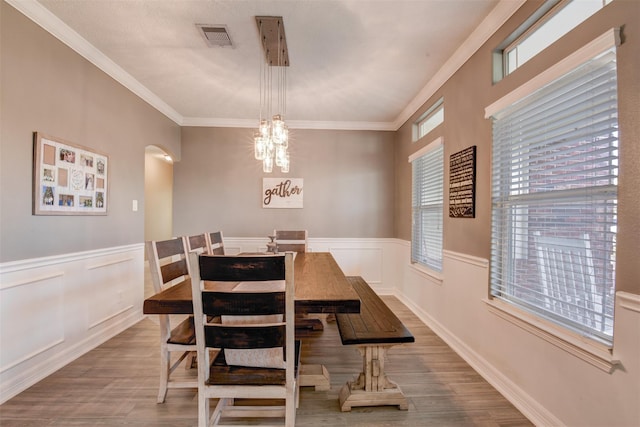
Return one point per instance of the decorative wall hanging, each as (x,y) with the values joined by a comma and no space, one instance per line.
(462,183)
(282,192)
(68,179)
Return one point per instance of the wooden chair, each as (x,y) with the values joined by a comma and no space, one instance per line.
(168,265)
(198,243)
(216,243)
(291,240)
(271,376)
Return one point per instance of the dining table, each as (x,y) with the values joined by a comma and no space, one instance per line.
(320,287)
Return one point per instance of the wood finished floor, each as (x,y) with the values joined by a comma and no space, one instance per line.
(116,385)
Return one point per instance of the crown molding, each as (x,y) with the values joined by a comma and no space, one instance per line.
(292,124)
(496,18)
(51,23)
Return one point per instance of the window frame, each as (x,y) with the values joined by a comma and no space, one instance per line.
(431,264)
(534,23)
(592,350)
(432,111)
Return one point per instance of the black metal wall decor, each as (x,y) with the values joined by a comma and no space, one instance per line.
(462,183)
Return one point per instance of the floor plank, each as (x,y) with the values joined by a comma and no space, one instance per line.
(116,384)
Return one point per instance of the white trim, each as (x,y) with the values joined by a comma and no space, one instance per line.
(629,301)
(596,354)
(466,258)
(434,276)
(33,10)
(31,280)
(292,124)
(496,18)
(109,317)
(31,355)
(429,147)
(51,23)
(529,407)
(32,263)
(109,263)
(606,41)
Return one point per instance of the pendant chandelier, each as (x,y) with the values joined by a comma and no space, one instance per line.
(271,141)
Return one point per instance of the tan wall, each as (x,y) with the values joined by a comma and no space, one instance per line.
(49,88)
(470,90)
(348,184)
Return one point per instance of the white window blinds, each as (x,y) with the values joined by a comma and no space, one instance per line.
(554,199)
(427,206)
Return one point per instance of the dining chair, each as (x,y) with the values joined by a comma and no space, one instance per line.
(169,265)
(291,240)
(257,354)
(216,243)
(198,243)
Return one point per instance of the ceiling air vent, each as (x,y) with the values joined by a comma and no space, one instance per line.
(215,35)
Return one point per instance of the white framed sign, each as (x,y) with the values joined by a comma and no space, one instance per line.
(282,193)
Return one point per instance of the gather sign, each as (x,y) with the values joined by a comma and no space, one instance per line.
(282,192)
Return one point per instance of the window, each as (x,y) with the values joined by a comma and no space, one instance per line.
(429,120)
(554,198)
(427,205)
(552,21)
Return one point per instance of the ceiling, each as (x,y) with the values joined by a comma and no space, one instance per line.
(354,64)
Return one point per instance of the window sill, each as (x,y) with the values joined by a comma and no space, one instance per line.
(432,275)
(592,352)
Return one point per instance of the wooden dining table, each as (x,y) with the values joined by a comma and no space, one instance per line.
(320,287)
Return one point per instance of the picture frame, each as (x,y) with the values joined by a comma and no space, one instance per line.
(68,179)
(462,183)
(282,193)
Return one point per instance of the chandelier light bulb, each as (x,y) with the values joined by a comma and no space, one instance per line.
(259,145)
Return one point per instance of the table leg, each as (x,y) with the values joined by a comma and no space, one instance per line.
(372,387)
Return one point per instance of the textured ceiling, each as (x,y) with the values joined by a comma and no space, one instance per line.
(354,63)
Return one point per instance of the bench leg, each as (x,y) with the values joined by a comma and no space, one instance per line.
(372,387)
(314,376)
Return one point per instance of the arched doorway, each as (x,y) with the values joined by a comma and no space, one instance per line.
(158,202)
(158,194)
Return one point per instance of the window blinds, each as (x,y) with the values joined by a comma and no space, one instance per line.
(427,207)
(554,199)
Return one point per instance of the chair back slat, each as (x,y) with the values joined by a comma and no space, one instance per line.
(242,303)
(291,240)
(241,269)
(244,336)
(167,261)
(292,247)
(197,243)
(216,243)
(174,270)
(167,248)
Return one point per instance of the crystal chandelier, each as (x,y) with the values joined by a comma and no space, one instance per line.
(271,141)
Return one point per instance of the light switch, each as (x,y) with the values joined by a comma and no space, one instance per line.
(134,206)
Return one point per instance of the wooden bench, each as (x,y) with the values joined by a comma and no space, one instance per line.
(374,330)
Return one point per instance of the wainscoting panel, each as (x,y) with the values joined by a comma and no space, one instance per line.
(373,259)
(65,306)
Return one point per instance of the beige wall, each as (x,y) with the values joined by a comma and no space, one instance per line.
(470,90)
(49,88)
(348,184)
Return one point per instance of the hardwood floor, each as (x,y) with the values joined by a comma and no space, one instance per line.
(117,384)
